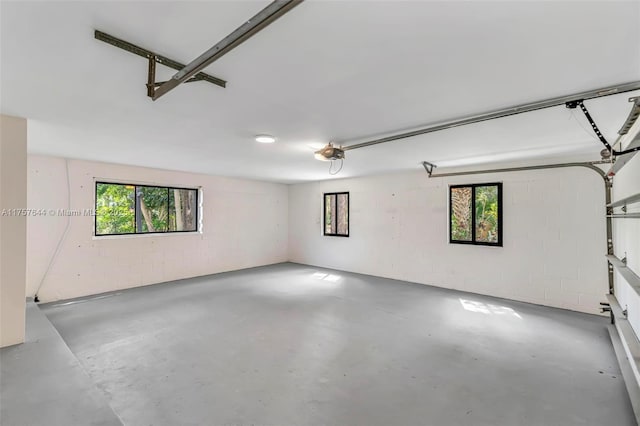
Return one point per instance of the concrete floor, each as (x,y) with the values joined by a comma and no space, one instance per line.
(43,384)
(297,345)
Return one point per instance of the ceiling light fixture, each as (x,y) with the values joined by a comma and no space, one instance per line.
(329,153)
(265,139)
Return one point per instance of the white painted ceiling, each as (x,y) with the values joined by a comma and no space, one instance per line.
(326,71)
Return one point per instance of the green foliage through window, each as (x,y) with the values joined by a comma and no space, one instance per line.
(475,214)
(461,214)
(115,213)
(336,214)
(132,209)
(486,202)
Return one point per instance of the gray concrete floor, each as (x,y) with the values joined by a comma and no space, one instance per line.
(299,345)
(43,384)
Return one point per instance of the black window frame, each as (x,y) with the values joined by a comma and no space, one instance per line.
(473,241)
(324,213)
(135,212)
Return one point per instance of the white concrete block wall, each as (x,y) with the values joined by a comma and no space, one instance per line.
(553,250)
(554,235)
(244,224)
(626,233)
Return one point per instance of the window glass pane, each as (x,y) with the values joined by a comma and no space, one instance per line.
(182,209)
(487,214)
(152,213)
(329,214)
(461,214)
(343,214)
(114,209)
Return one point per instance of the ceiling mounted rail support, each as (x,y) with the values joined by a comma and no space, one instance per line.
(492,115)
(592,123)
(258,22)
(428,167)
(154,58)
(594,126)
(151,77)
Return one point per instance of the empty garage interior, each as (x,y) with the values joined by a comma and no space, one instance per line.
(320,213)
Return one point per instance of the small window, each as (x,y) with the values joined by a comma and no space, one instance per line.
(138,209)
(336,214)
(475,214)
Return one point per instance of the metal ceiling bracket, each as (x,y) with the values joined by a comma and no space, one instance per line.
(428,167)
(258,22)
(580,103)
(151,77)
(596,130)
(154,58)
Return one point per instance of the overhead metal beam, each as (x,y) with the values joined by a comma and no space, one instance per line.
(505,112)
(261,20)
(148,54)
(589,165)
